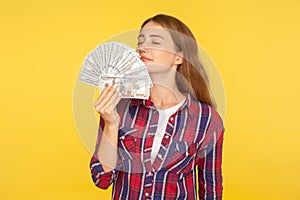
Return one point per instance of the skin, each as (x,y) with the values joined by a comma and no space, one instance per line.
(105,105)
(157,51)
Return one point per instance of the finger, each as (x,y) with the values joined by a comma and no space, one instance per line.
(106,98)
(103,94)
(114,95)
(117,100)
(110,105)
(110,110)
(113,110)
(106,109)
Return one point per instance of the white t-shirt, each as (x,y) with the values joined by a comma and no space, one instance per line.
(163,119)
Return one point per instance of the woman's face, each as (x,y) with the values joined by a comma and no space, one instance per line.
(157,48)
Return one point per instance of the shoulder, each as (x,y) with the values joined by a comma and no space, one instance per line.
(207,113)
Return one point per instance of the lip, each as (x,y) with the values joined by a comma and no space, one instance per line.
(145,59)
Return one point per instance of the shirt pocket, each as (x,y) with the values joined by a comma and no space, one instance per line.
(127,142)
(181,156)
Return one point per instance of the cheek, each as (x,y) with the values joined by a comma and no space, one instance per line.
(167,58)
(164,56)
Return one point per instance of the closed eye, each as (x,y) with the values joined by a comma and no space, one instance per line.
(156,43)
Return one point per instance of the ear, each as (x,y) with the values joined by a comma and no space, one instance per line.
(178,58)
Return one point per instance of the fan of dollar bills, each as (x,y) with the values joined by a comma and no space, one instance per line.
(116,63)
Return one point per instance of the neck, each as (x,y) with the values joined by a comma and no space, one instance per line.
(165,92)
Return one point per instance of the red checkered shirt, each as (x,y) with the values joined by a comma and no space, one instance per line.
(193,139)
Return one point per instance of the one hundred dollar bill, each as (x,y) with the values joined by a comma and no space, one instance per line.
(129,86)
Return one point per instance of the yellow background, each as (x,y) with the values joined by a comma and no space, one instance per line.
(254,43)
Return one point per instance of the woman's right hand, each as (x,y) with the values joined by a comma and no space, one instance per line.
(106,104)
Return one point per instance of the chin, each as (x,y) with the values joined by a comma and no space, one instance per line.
(153,70)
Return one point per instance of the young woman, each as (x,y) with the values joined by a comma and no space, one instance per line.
(150,149)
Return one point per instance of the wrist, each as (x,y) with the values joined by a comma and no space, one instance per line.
(111,131)
(111,126)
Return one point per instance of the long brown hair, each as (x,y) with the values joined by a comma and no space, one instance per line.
(191,76)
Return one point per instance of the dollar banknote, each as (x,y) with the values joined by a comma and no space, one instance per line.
(129,86)
(116,63)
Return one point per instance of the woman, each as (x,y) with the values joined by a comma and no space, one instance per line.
(150,149)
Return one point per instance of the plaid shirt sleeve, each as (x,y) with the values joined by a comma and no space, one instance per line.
(209,163)
(100,178)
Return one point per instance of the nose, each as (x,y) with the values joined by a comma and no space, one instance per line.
(141,49)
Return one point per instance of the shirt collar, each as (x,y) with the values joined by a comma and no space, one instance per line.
(150,105)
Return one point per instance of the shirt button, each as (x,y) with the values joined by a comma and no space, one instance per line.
(166,136)
(147,194)
(123,137)
(172,118)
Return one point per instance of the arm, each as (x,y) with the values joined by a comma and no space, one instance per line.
(209,162)
(104,160)
(210,171)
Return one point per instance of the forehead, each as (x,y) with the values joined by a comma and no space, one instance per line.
(154,28)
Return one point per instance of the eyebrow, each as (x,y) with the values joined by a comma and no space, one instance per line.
(152,35)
